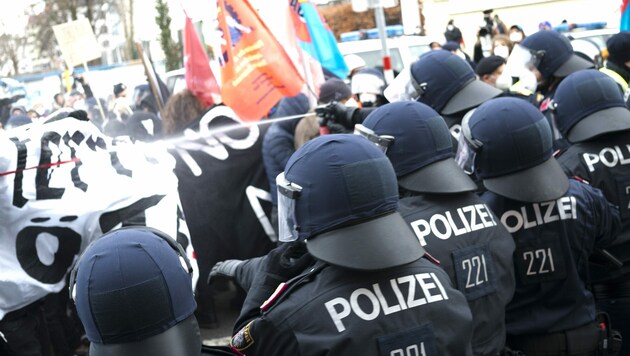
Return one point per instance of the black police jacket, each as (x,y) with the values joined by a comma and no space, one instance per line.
(410,309)
(605,164)
(554,240)
(475,250)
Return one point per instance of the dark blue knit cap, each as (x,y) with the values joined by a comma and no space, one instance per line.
(130,285)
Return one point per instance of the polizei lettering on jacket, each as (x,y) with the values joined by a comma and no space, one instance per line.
(463,220)
(421,289)
(536,214)
(608,156)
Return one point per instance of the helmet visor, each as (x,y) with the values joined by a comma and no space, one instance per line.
(287,194)
(382,142)
(366,83)
(467,146)
(521,65)
(403,87)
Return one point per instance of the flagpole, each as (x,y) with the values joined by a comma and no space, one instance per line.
(309,79)
(98,100)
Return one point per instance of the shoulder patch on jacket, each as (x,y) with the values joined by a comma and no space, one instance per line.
(243,339)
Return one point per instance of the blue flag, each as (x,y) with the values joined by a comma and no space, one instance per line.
(322,45)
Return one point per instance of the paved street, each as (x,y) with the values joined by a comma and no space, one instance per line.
(226,315)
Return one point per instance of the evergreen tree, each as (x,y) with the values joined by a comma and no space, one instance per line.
(172,50)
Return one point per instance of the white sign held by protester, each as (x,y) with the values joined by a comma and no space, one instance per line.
(77,42)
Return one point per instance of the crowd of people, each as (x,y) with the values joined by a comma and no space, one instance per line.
(475,206)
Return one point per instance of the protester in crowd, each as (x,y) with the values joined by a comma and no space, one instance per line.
(367,87)
(433,188)
(59,101)
(435,45)
(501,46)
(545,26)
(483,44)
(453,33)
(332,90)
(33,114)
(556,222)
(18,110)
(454,48)
(339,193)
(489,69)
(17,120)
(182,108)
(354,63)
(516,34)
(590,112)
(121,105)
(134,296)
(618,62)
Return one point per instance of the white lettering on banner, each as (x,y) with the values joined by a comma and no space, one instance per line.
(536,214)
(431,291)
(445,225)
(213,141)
(608,156)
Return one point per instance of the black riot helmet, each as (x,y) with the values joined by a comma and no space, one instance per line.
(420,148)
(507,142)
(339,193)
(588,104)
(135,297)
(442,80)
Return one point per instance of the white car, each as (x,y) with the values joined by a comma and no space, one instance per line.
(404,50)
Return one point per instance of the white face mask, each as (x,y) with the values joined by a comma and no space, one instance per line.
(502,51)
(516,37)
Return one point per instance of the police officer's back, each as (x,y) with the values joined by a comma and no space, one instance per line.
(556,223)
(451,222)
(370,291)
(590,112)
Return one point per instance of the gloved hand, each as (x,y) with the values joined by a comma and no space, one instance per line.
(336,116)
(225,268)
(287,260)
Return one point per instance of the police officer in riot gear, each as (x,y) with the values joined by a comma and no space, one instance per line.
(368,290)
(450,220)
(446,83)
(556,222)
(590,112)
(540,62)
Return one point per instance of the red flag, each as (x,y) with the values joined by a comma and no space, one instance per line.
(199,77)
(256,71)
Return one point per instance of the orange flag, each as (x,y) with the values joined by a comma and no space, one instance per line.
(256,71)
(199,77)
